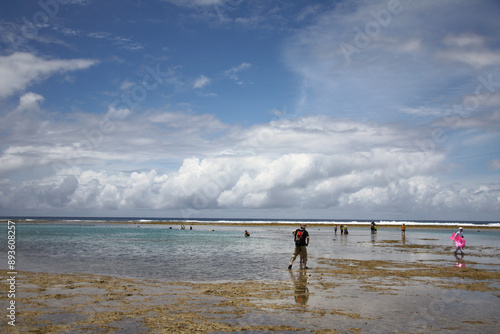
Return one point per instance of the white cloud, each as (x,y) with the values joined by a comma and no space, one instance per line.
(209,2)
(355,65)
(30,101)
(469,49)
(21,69)
(494,164)
(305,163)
(201,81)
(117,137)
(357,161)
(195,3)
(476,58)
(464,40)
(423,111)
(126,85)
(75,2)
(232,73)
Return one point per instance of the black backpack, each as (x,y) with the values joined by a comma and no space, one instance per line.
(299,235)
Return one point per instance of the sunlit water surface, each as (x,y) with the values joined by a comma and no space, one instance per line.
(218,253)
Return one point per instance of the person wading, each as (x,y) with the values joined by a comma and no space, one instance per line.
(301,238)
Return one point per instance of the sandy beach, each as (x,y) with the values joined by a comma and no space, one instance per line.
(337,296)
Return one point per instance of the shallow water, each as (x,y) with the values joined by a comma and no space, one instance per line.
(220,253)
(327,296)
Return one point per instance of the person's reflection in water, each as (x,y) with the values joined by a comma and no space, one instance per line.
(301,291)
(460,261)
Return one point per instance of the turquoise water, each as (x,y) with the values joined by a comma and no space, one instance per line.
(219,253)
(206,253)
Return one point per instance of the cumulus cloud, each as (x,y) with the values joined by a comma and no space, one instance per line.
(30,101)
(21,69)
(343,159)
(117,137)
(308,163)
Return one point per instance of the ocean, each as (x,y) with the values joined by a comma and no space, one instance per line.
(217,250)
(253,221)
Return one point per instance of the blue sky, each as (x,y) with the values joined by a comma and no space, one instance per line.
(233,108)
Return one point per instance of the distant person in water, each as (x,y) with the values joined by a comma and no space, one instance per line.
(403,229)
(335,228)
(301,239)
(341,228)
(247,234)
(346,232)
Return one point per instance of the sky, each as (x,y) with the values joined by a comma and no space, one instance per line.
(359,109)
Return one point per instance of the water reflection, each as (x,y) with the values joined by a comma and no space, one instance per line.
(342,239)
(460,261)
(301,291)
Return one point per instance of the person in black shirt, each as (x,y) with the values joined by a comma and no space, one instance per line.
(301,238)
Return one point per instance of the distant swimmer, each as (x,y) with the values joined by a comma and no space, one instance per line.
(403,229)
(247,234)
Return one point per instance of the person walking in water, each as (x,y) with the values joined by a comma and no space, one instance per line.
(301,238)
(346,232)
(461,235)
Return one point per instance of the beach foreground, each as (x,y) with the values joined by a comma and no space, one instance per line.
(337,296)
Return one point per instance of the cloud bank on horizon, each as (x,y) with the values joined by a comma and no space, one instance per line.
(212,108)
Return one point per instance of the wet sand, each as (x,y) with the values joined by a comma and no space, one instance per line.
(337,296)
